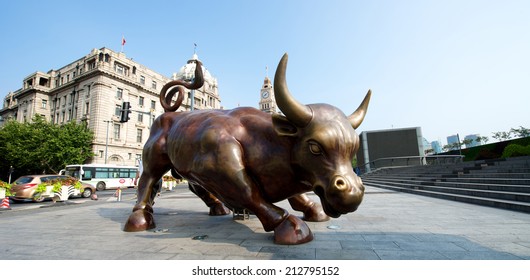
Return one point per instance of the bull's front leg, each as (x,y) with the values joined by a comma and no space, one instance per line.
(313,212)
(142,216)
(288,229)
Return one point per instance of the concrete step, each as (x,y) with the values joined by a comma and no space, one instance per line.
(503,183)
(496,175)
(515,192)
(492,202)
(469,180)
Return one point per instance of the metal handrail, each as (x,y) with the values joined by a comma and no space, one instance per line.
(408,161)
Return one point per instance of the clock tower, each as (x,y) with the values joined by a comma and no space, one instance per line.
(267,102)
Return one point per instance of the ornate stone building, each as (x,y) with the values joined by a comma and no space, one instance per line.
(92,90)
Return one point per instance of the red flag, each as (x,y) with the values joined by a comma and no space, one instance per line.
(122,41)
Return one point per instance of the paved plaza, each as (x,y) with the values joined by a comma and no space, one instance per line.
(387,226)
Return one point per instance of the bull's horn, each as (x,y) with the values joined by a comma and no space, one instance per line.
(358,116)
(299,114)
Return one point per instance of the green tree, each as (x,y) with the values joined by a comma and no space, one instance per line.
(502,135)
(41,147)
(482,140)
(466,142)
(520,132)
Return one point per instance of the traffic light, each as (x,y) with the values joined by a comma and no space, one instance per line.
(125,111)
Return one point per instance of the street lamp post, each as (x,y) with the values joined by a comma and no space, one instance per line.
(107,141)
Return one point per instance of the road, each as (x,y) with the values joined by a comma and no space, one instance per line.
(103,196)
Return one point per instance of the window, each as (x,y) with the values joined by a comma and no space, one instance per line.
(141,101)
(119,93)
(117,112)
(116,132)
(107,57)
(139,135)
(142,80)
(100,153)
(44,103)
(87,108)
(119,68)
(153,104)
(153,85)
(91,64)
(140,117)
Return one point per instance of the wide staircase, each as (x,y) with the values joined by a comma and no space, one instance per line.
(501,183)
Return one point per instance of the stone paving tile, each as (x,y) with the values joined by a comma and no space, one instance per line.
(338,237)
(410,255)
(288,253)
(479,255)
(346,254)
(370,245)
(429,246)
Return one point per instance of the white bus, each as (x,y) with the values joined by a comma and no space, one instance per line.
(103,176)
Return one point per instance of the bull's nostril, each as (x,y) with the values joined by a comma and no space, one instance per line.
(340,184)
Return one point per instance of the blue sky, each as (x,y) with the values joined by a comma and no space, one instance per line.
(446,66)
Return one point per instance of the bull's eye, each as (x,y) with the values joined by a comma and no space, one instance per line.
(315,148)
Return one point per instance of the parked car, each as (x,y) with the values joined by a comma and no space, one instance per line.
(24,187)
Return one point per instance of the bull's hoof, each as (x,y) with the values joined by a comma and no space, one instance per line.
(219,209)
(140,220)
(292,231)
(316,214)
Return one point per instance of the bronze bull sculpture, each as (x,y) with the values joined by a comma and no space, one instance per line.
(247,159)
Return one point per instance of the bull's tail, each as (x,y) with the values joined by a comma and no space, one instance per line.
(179,85)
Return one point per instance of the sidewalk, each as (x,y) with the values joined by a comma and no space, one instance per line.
(388,225)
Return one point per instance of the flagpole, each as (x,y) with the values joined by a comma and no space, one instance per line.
(122,42)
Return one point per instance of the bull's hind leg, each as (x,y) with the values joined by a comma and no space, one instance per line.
(155,165)
(142,216)
(313,211)
(217,208)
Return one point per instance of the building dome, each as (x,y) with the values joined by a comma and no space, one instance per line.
(187,72)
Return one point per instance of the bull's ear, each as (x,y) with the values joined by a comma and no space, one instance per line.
(283,126)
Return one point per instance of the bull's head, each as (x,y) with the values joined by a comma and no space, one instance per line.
(325,144)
